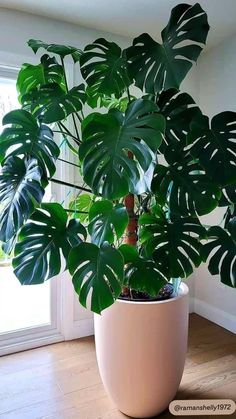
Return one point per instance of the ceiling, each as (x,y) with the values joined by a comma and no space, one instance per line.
(129,17)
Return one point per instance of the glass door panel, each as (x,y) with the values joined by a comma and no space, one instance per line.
(24,310)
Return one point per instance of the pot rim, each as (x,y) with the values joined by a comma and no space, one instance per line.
(183,291)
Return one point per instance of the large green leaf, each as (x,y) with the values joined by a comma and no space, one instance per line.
(222,252)
(215,146)
(103,66)
(230,215)
(141,274)
(41,241)
(81,206)
(20,192)
(174,245)
(27,137)
(61,50)
(179,110)
(53,103)
(186,187)
(32,77)
(99,271)
(228,196)
(107,221)
(156,67)
(106,140)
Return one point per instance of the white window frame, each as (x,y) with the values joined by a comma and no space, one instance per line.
(63,324)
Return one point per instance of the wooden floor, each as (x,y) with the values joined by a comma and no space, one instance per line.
(61,381)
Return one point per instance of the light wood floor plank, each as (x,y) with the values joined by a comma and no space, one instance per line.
(61,381)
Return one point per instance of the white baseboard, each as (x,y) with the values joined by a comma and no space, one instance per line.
(30,344)
(80,329)
(220,317)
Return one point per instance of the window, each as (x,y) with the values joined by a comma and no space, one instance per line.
(31,316)
(23,309)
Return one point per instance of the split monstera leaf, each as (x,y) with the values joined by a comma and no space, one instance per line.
(151,165)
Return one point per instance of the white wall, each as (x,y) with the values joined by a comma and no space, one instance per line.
(216,87)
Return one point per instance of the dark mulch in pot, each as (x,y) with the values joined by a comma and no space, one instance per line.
(164,294)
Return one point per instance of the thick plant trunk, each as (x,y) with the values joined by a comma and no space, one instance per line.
(131,237)
(131,231)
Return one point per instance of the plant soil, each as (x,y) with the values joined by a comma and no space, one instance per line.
(165,293)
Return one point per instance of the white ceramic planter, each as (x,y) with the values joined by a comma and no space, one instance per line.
(141,349)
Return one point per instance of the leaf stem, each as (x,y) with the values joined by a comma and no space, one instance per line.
(67,89)
(128,94)
(79,212)
(79,117)
(68,132)
(69,162)
(64,133)
(61,182)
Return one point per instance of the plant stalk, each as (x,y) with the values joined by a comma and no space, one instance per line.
(67,89)
(61,182)
(131,236)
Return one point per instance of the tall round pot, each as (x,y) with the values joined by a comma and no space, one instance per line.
(141,349)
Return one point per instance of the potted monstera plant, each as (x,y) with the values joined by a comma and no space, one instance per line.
(152,164)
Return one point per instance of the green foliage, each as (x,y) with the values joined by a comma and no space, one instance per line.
(99,270)
(215,146)
(106,139)
(27,137)
(179,110)
(2,255)
(81,206)
(33,77)
(156,67)
(104,68)
(186,187)
(174,245)
(20,193)
(107,221)
(141,274)
(159,148)
(53,103)
(61,50)
(41,241)
(222,250)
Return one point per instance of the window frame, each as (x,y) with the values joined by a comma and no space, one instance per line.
(66,325)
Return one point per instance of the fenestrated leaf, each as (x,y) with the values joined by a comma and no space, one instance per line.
(32,77)
(8,246)
(20,192)
(215,145)
(186,188)
(26,136)
(174,245)
(107,221)
(228,196)
(53,103)
(141,274)
(81,203)
(99,271)
(103,66)
(106,140)
(179,110)
(230,215)
(221,249)
(61,50)
(156,67)
(41,241)
(109,102)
